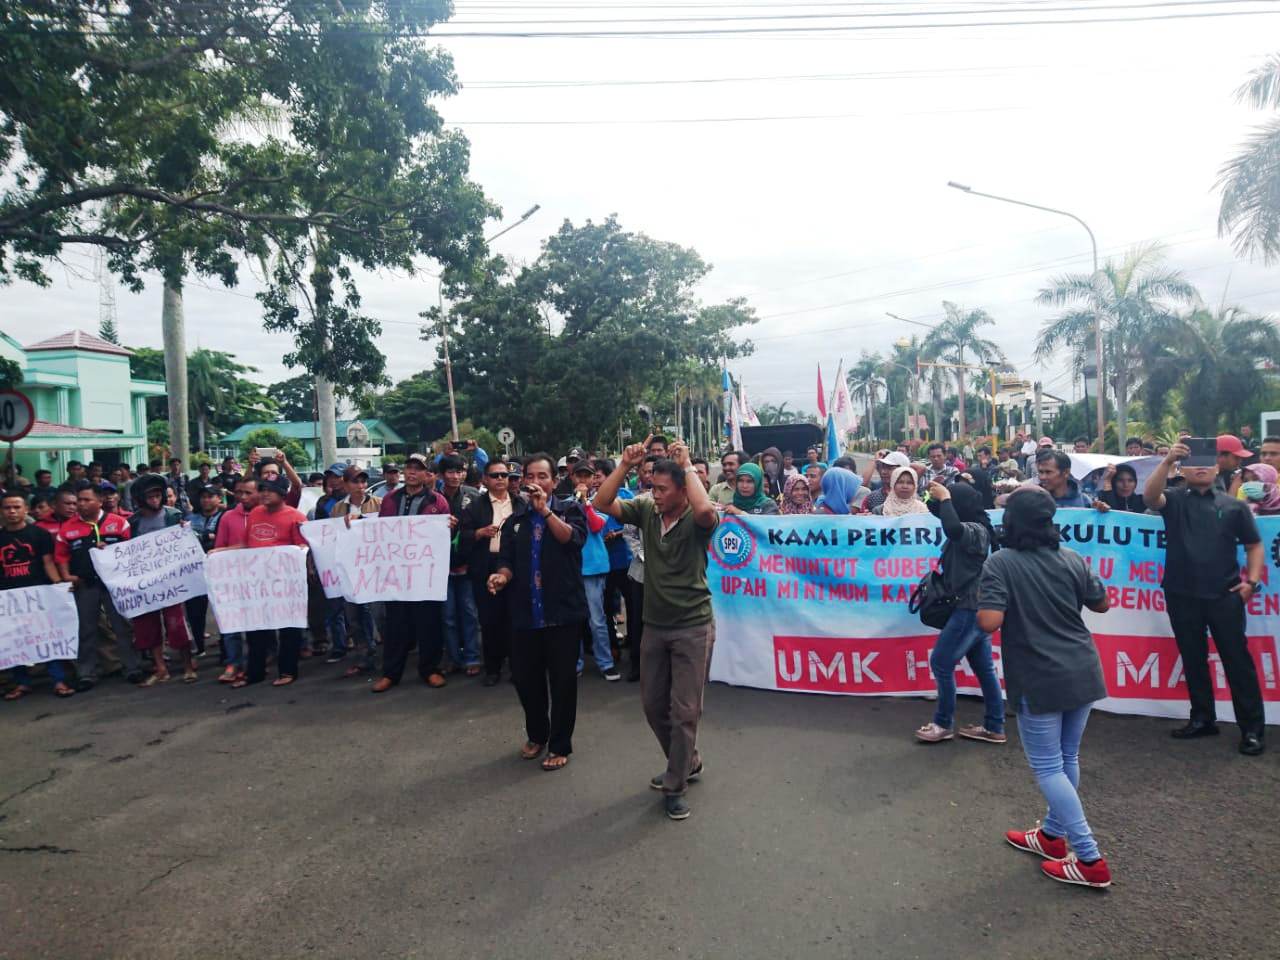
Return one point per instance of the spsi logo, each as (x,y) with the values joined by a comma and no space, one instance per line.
(733,545)
(1275,550)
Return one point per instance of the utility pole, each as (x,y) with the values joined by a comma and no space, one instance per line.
(1039,409)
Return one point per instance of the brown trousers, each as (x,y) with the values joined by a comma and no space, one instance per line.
(673,675)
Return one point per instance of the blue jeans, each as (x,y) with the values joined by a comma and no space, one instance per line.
(233,650)
(960,640)
(57,673)
(461,623)
(335,623)
(1051,742)
(601,640)
(361,615)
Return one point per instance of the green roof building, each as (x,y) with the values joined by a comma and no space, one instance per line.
(364,440)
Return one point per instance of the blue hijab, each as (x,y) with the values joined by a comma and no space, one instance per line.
(839,487)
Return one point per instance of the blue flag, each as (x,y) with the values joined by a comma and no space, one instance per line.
(833,440)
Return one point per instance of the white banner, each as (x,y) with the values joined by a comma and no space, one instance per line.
(263,588)
(153,571)
(323,536)
(38,624)
(395,558)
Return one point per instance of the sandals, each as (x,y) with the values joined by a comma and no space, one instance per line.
(229,675)
(189,676)
(155,678)
(18,692)
(554,762)
(63,690)
(240,681)
(531,750)
(283,681)
(436,680)
(474,670)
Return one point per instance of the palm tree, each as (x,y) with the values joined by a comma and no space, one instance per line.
(1131,300)
(907,352)
(1250,181)
(770,414)
(1220,351)
(957,336)
(865,378)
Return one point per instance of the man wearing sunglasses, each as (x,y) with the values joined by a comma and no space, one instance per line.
(481,538)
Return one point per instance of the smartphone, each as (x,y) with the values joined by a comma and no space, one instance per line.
(1204,452)
(464,444)
(266,453)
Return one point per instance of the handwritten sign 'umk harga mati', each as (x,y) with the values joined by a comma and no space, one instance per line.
(263,588)
(153,571)
(395,558)
(38,624)
(323,536)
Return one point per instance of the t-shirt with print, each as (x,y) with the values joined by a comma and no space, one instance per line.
(675,575)
(280,528)
(22,554)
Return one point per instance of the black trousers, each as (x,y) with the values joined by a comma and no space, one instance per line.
(635,620)
(546,661)
(260,641)
(495,627)
(412,623)
(1223,617)
(197,614)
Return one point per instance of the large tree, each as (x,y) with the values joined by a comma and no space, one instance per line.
(417,408)
(957,340)
(295,398)
(1132,299)
(181,134)
(563,350)
(1250,182)
(221,397)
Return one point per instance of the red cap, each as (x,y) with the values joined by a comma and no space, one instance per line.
(1227,443)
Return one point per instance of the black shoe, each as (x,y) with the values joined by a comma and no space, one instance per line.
(85,684)
(612,675)
(492,679)
(1251,744)
(1194,729)
(336,657)
(656,782)
(136,677)
(633,675)
(676,808)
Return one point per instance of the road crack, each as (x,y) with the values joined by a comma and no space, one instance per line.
(28,787)
(41,848)
(156,879)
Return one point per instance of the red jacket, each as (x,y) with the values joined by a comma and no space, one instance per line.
(77,537)
(431,503)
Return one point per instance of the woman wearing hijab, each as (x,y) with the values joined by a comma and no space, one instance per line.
(969,541)
(1261,490)
(1119,489)
(839,487)
(903,498)
(771,464)
(748,493)
(796,497)
(1032,591)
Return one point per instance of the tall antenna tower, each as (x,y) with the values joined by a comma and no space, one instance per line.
(106,298)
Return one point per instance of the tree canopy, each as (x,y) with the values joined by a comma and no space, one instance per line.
(417,407)
(563,350)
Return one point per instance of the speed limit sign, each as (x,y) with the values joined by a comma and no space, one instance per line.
(17,416)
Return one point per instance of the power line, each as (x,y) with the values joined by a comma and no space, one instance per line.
(778,118)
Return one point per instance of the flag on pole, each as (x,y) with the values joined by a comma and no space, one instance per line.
(735,425)
(749,418)
(822,396)
(842,406)
(726,389)
(833,440)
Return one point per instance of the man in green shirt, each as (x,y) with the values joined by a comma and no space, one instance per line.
(679,630)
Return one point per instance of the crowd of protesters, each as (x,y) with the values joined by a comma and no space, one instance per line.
(554,560)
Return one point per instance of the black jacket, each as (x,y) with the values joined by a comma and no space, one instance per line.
(563,599)
(481,561)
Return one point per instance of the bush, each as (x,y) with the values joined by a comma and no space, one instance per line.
(266,437)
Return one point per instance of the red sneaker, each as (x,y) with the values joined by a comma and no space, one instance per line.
(1037,842)
(1071,870)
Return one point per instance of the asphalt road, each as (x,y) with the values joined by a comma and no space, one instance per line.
(319,821)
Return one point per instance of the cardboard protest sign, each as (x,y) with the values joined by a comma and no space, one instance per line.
(395,558)
(153,571)
(258,589)
(323,536)
(38,624)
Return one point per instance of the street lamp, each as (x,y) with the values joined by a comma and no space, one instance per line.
(1097,333)
(444,326)
(1090,373)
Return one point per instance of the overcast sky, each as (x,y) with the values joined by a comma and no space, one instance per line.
(833,209)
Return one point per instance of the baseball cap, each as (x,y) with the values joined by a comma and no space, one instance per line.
(583,466)
(354,473)
(562,462)
(336,469)
(390,466)
(895,458)
(420,459)
(1046,441)
(577,453)
(106,486)
(1229,443)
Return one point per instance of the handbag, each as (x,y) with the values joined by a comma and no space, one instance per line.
(930,601)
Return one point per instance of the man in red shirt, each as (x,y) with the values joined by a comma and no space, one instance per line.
(93,528)
(413,621)
(232,530)
(272,523)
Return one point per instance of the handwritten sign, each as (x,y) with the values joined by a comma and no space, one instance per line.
(258,589)
(38,624)
(323,536)
(395,558)
(153,571)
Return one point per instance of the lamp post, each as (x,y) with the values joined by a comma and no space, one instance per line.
(1090,373)
(1097,333)
(444,325)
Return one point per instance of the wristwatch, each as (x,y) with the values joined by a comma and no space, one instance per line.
(1255,585)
